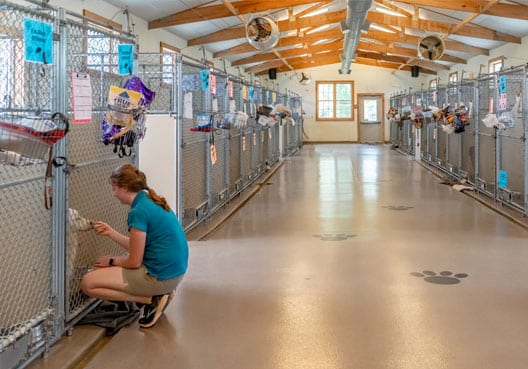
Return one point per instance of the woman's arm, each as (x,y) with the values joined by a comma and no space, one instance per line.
(105,230)
(136,250)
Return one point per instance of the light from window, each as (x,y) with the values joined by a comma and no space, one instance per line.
(101,55)
(334,100)
(168,64)
(370,110)
(12,66)
(495,65)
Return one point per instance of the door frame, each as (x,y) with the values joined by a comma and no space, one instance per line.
(382,95)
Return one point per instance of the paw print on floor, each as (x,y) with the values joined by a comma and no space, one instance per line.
(445,277)
(334,237)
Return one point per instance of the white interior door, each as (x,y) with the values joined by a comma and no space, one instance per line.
(370,113)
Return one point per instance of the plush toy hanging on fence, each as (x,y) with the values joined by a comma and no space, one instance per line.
(124,121)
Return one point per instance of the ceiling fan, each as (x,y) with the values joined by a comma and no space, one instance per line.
(262,32)
(431,47)
(305,79)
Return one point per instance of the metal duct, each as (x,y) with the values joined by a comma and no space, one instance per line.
(356,15)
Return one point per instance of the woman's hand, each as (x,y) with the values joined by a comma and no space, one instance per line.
(102,228)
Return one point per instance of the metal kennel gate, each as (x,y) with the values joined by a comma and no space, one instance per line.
(512,154)
(92,53)
(485,171)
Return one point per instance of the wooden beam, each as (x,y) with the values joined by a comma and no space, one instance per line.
(264,66)
(312,8)
(98,18)
(440,27)
(286,25)
(413,40)
(283,42)
(290,53)
(473,16)
(282,59)
(204,13)
(474,6)
(364,61)
(233,10)
(388,4)
(428,64)
(403,51)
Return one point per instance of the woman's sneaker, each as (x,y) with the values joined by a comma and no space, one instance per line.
(153,311)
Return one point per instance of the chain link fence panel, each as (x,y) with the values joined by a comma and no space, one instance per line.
(486,136)
(511,139)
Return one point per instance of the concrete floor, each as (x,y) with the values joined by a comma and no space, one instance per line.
(350,256)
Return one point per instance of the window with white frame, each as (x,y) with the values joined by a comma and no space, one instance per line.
(335,100)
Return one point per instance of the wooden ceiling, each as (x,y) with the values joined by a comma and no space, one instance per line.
(468,27)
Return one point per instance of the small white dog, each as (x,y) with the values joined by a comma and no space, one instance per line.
(76,224)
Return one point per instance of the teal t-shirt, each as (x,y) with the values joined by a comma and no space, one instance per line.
(166,251)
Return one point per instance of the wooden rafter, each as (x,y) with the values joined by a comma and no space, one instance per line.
(413,40)
(210,12)
(403,51)
(462,29)
(290,53)
(283,42)
(474,6)
(286,25)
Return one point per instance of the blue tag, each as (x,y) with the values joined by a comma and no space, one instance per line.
(38,41)
(502,84)
(251,93)
(503,179)
(125,54)
(204,75)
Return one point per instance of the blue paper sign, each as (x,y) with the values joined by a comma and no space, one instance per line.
(502,84)
(38,41)
(503,179)
(251,93)
(125,54)
(204,75)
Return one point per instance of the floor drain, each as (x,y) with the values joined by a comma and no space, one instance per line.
(445,277)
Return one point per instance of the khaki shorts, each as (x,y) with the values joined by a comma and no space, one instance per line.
(139,283)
